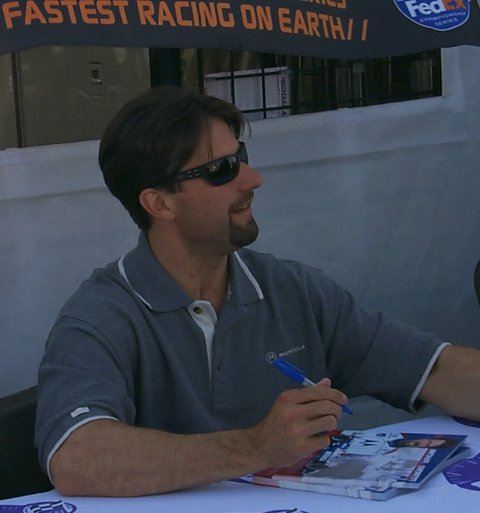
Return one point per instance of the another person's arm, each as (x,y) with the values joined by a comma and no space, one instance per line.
(454,382)
(110,458)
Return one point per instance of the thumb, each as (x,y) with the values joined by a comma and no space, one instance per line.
(325,382)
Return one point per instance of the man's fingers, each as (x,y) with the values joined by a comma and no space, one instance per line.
(312,411)
(319,392)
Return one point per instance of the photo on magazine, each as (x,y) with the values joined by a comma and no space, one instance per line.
(401,460)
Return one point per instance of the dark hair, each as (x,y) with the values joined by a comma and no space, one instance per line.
(155,135)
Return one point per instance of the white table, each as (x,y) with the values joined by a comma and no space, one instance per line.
(437,495)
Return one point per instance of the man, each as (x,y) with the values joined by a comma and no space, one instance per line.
(157,375)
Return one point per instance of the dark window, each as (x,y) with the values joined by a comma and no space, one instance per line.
(61,94)
(267,85)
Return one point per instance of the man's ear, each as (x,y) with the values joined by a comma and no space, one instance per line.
(157,204)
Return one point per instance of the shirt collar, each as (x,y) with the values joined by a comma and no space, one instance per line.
(152,284)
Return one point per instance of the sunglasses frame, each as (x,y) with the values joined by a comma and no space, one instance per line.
(207,171)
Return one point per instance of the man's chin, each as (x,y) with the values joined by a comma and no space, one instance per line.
(245,235)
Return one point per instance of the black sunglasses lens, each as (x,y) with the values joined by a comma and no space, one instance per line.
(226,169)
(223,170)
(242,154)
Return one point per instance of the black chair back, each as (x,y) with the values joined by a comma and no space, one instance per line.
(20,472)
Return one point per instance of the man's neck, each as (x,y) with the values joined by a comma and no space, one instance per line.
(201,276)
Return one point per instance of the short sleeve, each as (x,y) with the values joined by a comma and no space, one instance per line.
(371,353)
(82,377)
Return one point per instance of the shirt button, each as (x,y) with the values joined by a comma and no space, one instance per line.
(197,310)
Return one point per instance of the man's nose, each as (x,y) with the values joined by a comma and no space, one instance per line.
(248,177)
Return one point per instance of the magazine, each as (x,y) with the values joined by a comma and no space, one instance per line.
(369,465)
(378,493)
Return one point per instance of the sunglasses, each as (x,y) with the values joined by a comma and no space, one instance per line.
(216,172)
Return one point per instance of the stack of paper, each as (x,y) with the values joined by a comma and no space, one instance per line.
(368,465)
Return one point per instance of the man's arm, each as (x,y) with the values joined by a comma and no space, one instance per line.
(109,458)
(454,382)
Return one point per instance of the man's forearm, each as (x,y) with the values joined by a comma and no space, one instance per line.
(454,383)
(109,458)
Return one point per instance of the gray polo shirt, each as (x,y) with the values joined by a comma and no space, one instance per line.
(128,345)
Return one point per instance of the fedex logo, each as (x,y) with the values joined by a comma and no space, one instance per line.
(435,14)
(436,7)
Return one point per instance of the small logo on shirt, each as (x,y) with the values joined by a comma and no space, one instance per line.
(79,411)
(272,356)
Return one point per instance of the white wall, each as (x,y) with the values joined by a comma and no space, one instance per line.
(57,223)
(384,198)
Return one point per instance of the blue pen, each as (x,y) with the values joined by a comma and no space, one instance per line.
(296,374)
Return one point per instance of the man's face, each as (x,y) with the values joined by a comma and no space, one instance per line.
(216,219)
(427,442)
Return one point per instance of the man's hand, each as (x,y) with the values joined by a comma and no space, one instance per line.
(297,424)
